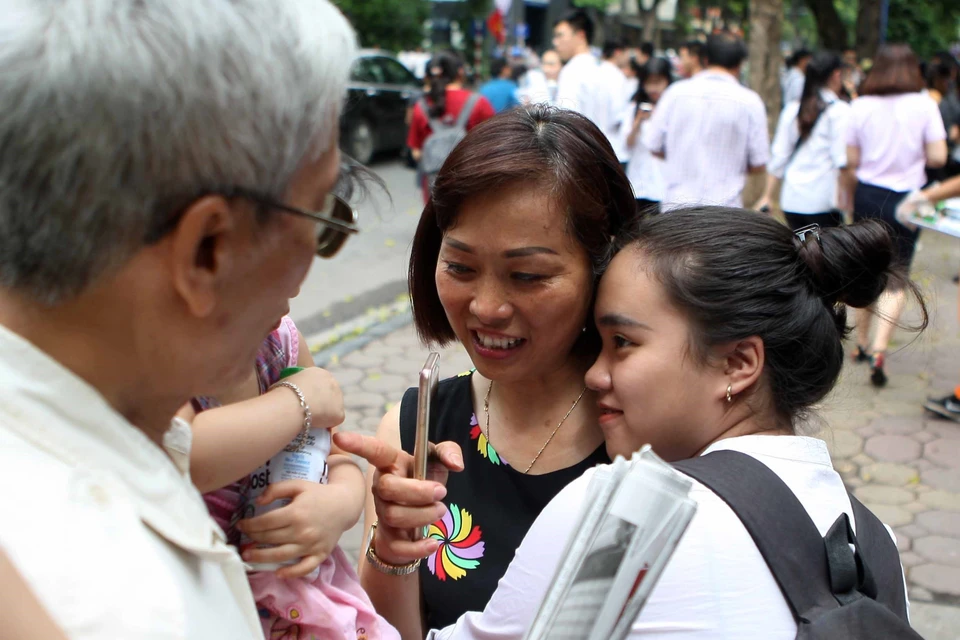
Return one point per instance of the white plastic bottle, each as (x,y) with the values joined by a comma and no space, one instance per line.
(306,463)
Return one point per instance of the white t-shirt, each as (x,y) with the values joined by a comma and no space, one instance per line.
(712,130)
(810,173)
(104,525)
(644,170)
(609,101)
(892,133)
(716,585)
(576,87)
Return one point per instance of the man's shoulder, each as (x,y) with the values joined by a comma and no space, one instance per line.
(79,543)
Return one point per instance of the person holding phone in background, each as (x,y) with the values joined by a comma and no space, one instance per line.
(644,170)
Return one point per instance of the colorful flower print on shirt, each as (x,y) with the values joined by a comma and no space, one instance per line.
(483,445)
(461,546)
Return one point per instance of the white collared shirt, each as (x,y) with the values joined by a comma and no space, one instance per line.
(810,171)
(609,95)
(644,170)
(712,130)
(103,524)
(576,87)
(716,585)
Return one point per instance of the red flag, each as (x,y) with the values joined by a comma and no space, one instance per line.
(496,26)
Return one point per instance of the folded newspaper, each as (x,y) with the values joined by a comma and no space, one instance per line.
(633,517)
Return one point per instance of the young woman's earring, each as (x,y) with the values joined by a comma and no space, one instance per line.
(729,393)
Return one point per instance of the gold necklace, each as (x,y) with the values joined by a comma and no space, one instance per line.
(486,413)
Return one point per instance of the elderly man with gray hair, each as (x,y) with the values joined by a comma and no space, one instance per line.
(159,163)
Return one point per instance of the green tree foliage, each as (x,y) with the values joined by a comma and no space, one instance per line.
(927,26)
(394,25)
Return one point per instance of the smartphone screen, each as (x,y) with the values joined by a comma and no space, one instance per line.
(426,392)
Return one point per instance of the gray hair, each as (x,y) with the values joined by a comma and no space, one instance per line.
(114,114)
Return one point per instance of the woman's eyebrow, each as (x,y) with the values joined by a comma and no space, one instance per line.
(620,320)
(528,251)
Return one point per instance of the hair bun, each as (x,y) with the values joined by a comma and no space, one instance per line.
(850,264)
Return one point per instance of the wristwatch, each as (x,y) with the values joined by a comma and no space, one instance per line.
(385,567)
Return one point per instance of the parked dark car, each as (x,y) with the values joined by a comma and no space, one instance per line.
(374,119)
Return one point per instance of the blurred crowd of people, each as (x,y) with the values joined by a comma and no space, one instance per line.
(853,137)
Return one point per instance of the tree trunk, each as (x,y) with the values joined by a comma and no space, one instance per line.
(868,28)
(649,24)
(830,29)
(766,19)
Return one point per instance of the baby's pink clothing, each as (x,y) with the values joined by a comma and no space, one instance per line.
(333,605)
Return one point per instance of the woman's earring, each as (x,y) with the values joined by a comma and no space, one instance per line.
(584,330)
(729,393)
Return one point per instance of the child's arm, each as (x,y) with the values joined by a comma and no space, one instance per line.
(343,471)
(311,525)
(229,442)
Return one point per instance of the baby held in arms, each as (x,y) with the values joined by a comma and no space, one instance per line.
(283,493)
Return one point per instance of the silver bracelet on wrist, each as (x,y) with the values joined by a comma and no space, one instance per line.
(301,440)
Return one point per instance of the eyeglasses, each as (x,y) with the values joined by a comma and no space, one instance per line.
(336,220)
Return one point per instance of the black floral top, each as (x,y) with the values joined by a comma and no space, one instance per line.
(491,506)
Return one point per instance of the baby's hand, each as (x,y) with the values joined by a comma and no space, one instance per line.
(308,528)
(322,394)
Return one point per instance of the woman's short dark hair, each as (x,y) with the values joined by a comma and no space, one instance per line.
(737,274)
(895,70)
(535,146)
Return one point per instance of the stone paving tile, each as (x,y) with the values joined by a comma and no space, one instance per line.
(888,448)
(903,463)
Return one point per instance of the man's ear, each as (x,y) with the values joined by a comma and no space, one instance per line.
(202,252)
(742,364)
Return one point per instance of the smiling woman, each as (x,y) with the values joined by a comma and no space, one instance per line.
(505,260)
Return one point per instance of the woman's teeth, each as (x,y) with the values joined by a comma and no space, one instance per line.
(498,343)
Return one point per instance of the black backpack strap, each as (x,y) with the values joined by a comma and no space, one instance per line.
(771,514)
(881,556)
(408,420)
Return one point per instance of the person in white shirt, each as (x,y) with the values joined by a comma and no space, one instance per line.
(711,131)
(611,96)
(690,58)
(161,163)
(539,84)
(809,151)
(644,170)
(577,83)
(712,341)
(793,79)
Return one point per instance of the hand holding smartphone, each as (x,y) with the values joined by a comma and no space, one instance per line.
(426,392)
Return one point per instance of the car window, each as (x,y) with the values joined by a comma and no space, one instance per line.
(395,73)
(367,70)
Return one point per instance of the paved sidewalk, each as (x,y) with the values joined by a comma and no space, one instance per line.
(903,464)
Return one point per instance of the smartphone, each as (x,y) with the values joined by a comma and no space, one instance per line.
(426,392)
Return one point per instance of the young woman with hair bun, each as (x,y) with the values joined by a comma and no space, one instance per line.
(714,341)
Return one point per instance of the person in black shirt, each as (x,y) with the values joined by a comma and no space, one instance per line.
(505,260)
